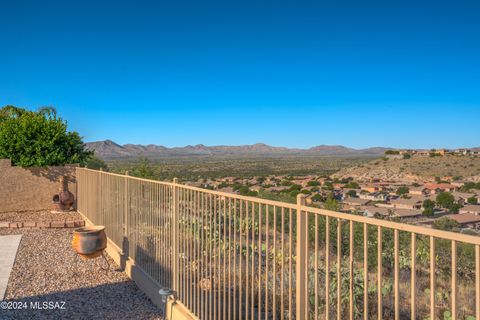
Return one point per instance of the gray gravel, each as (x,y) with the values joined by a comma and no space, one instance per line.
(39,216)
(47,269)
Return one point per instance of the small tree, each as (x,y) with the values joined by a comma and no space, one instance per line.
(352,185)
(261,180)
(445,199)
(313,183)
(454,207)
(143,169)
(446,223)
(331,204)
(39,138)
(428,207)
(97,164)
(428,204)
(403,190)
(352,193)
(472,200)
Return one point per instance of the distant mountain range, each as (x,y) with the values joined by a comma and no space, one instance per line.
(110,150)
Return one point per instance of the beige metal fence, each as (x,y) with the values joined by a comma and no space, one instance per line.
(235,257)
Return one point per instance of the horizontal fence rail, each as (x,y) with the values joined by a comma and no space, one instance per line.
(234,257)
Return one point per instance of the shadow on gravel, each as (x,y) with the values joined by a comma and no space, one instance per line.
(121,300)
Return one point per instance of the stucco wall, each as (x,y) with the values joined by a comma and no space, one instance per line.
(23,189)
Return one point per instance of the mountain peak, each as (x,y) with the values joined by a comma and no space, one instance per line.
(109,149)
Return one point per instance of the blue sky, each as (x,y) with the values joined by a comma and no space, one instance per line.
(287,73)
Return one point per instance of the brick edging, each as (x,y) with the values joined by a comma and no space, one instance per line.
(56,224)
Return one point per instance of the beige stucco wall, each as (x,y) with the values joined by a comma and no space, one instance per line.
(23,189)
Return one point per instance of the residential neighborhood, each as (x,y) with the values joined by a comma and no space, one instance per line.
(416,203)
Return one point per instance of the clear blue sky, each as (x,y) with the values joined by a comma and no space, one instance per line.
(296,73)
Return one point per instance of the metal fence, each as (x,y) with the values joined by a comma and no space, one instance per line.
(235,257)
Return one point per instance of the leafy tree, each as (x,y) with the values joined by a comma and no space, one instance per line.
(403,190)
(245,191)
(352,193)
(328,185)
(352,185)
(294,193)
(446,223)
(428,207)
(428,204)
(428,212)
(331,204)
(445,199)
(97,164)
(222,185)
(143,169)
(295,187)
(407,156)
(472,200)
(470,185)
(317,197)
(313,183)
(39,138)
(454,208)
(261,180)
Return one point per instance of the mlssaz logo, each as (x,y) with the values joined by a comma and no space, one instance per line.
(47,305)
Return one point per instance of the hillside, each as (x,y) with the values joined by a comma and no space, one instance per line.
(415,169)
(110,150)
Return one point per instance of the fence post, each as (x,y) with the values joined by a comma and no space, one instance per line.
(175,234)
(301,260)
(126,207)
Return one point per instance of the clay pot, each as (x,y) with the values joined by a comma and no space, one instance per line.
(64,200)
(89,242)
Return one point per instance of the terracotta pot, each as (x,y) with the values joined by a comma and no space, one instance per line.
(89,242)
(64,200)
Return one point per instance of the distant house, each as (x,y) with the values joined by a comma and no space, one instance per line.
(462,197)
(346,190)
(371,187)
(462,151)
(459,183)
(412,203)
(277,189)
(470,209)
(417,191)
(440,187)
(466,220)
(422,152)
(371,211)
(374,196)
(356,201)
(443,151)
(407,213)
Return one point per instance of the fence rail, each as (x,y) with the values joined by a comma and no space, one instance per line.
(235,257)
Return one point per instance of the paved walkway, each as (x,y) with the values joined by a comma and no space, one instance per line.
(8,251)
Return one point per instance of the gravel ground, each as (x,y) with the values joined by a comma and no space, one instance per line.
(38,216)
(47,270)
